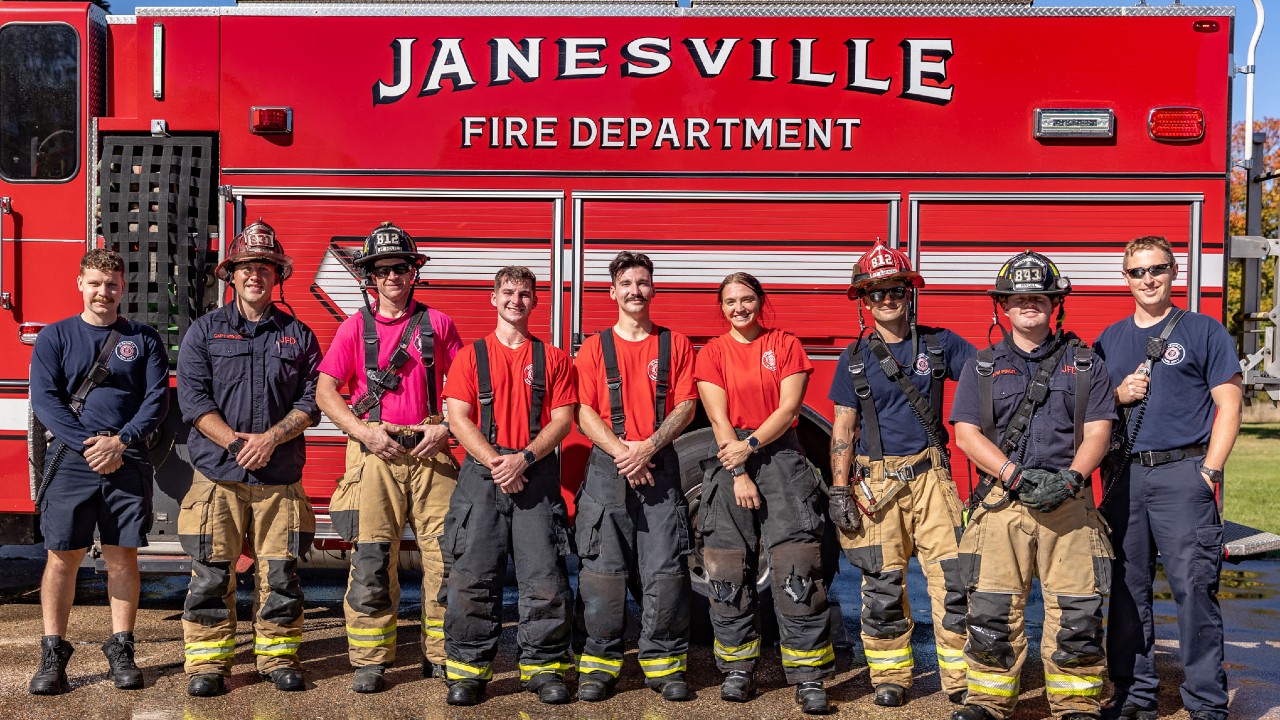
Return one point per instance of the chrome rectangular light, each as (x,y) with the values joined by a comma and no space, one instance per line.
(1075,123)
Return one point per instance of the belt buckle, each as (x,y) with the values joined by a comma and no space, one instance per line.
(1147,458)
(906,473)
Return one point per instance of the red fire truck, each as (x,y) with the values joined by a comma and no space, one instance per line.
(775,138)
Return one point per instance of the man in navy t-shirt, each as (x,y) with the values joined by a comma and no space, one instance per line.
(1165,501)
(97,472)
(887,391)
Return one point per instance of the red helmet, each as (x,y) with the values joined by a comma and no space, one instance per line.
(257,243)
(879,264)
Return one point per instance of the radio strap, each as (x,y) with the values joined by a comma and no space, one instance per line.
(382,381)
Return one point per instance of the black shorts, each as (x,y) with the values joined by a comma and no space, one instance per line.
(79,500)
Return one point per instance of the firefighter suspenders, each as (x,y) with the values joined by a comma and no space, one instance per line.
(484,391)
(1013,445)
(927,412)
(384,380)
(613,379)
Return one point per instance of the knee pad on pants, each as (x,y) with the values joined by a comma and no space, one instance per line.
(370,590)
(798,590)
(205,604)
(989,630)
(1079,641)
(604,599)
(954,604)
(666,606)
(284,597)
(726,574)
(882,611)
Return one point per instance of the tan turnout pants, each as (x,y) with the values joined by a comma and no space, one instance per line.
(374,500)
(923,520)
(214,523)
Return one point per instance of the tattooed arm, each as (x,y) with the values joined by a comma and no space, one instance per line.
(290,427)
(844,433)
(634,463)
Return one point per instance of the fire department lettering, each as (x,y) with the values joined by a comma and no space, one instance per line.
(127,350)
(924,69)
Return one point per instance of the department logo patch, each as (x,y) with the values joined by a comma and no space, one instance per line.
(653,370)
(922,364)
(1173,354)
(769,360)
(127,350)
(528,374)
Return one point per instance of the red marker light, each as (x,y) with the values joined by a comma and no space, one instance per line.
(1205,26)
(27,332)
(1176,124)
(270,120)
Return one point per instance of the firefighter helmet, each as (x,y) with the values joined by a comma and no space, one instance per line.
(256,243)
(388,241)
(879,264)
(1030,273)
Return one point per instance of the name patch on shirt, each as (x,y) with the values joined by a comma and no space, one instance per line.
(127,350)
(228,336)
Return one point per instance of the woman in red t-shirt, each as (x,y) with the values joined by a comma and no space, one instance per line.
(765,492)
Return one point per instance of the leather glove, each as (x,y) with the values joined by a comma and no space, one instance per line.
(1029,486)
(1056,489)
(842,510)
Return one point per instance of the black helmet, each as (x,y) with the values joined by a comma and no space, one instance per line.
(388,241)
(1030,273)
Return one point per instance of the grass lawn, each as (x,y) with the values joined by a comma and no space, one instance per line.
(1253,478)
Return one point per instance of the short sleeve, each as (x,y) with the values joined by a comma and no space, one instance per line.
(709,365)
(1102,402)
(339,362)
(461,382)
(958,352)
(585,368)
(794,358)
(842,392)
(964,407)
(560,379)
(682,360)
(1222,363)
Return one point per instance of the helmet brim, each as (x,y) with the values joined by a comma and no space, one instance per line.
(282,262)
(859,287)
(418,259)
(1047,293)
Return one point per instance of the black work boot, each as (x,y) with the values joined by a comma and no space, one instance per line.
(890,695)
(594,687)
(122,669)
(465,692)
(738,686)
(673,688)
(812,698)
(973,712)
(51,678)
(432,670)
(1120,707)
(549,688)
(957,697)
(368,679)
(206,685)
(1081,716)
(287,679)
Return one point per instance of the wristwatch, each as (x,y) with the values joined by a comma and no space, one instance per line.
(529,457)
(754,442)
(738,471)
(1214,475)
(126,439)
(235,446)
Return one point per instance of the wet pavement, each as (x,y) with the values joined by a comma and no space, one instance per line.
(1250,599)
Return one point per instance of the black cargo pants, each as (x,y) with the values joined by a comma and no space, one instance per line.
(637,538)
(789,524)
(483,527)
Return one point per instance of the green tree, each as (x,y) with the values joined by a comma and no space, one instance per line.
(1270,207)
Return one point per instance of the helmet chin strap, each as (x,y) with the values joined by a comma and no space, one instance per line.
(1050,344)
(375,301)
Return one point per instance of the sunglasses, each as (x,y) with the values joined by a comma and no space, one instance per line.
(897,293)
(383,271)
(1138,273)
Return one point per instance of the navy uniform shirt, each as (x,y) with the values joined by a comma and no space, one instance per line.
(1051,440)
(253,378)
(1199,356)
(900,430)
(132,400)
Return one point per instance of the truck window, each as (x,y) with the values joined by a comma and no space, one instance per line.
(39,106)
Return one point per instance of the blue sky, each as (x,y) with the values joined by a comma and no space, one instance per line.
(1266,84)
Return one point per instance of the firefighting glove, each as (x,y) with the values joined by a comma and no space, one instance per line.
(1029,486)
(1056,489)
(842,510)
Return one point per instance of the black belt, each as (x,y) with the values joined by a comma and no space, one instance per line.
(1155,458)
(906,473)
(408,440)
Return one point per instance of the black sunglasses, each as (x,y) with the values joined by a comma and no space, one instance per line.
(383,271)
(897,293)
(1138,273)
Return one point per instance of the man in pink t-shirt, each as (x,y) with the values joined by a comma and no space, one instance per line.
(392,359)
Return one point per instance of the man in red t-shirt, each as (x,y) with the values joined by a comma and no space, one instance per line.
(510,399)
(635,395)
(398,466)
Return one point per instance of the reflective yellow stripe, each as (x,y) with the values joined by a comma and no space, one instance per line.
(433,628)
(661,667)
(951,660)
(275,647)
(371,637)
(750,651)
(528,671)
(890,659)
(1087,685)
(595,663)
(981,683)
(807,658)
(455,670)
(210,650)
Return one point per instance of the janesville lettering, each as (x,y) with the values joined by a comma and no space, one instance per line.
(924,63)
